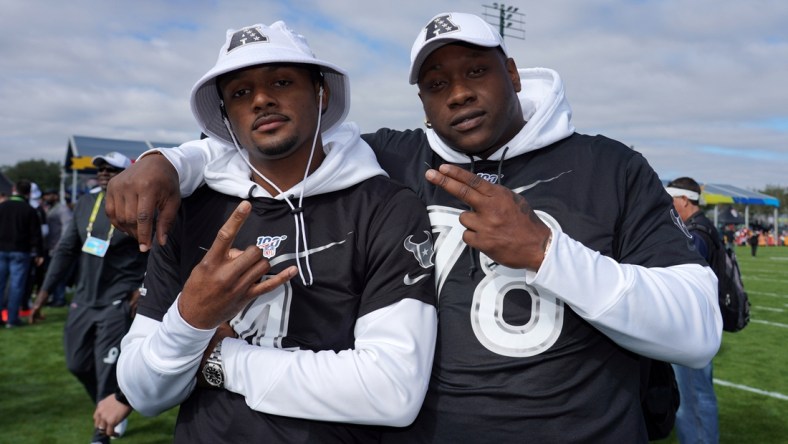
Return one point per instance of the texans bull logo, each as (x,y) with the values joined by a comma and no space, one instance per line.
(422,251)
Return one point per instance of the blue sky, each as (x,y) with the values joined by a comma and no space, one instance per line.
(698,87)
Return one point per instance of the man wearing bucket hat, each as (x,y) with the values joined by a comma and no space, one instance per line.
(348,341)
(110,269)
(569,266)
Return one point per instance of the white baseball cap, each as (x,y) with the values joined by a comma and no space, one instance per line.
(256,45)
(451,27)
(114,159)
(35,191)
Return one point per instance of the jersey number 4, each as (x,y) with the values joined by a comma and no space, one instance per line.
(264,321)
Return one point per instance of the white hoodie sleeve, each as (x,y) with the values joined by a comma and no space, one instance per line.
(680,301)
(158,361)
(190,159)
(382,380)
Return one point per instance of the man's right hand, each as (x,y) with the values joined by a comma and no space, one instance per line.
(226,280)
(35,311)
(136,194)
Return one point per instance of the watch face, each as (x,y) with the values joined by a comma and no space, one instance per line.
(213,374)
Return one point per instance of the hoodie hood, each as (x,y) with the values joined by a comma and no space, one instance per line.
(546,111)
(349,160)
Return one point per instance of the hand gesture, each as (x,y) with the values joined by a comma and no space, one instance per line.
(500,223)
(135,194)
(226,280)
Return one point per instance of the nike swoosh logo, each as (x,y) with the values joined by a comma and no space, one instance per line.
(284,257)
(528,187)
(412,281)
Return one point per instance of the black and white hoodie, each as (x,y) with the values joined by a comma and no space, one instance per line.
(352,349)
(553,355)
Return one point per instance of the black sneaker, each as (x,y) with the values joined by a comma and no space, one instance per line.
(99,437)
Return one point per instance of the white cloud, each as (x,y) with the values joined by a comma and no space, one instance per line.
(698,88)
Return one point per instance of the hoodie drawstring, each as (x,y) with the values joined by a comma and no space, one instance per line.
(297,212)
(500,166)
(472,251)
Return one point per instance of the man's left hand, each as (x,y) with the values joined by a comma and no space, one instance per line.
(500,223)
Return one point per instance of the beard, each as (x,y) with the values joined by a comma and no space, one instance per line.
(278,150)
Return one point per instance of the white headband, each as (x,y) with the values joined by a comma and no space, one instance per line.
(678,192)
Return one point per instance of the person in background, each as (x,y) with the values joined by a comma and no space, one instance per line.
(558,258)
(753,240)
(696,418)
(36,274)
(730,237)
(110,273)
(58,217)
(21,245)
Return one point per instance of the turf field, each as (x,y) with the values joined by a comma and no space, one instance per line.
(751,382)
(40,402)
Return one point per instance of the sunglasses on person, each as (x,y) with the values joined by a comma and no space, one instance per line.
(108,169)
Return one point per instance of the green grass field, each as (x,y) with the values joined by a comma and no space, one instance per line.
(750,368)
(40,402)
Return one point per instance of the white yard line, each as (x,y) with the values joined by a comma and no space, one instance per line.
(776,310)
(764,293)
(773,324)
(751,389)
(747,278)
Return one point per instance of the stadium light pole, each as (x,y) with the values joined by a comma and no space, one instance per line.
(510,22)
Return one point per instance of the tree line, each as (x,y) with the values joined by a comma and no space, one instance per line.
(45,174)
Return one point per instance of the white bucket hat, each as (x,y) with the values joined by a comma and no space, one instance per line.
(451,27)
(260,44)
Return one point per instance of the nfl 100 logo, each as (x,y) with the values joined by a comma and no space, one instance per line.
(269,244)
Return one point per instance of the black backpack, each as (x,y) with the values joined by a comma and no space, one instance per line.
(734,303)
(659,397)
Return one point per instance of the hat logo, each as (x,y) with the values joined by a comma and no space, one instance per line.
(246,36)
(440,25)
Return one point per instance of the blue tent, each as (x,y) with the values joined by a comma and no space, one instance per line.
(715,193)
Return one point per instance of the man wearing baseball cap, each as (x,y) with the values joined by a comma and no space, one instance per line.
(347,342)
(114,159)
(110,271)
(567,269)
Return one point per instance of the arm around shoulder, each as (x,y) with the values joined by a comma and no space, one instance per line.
(189,160)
